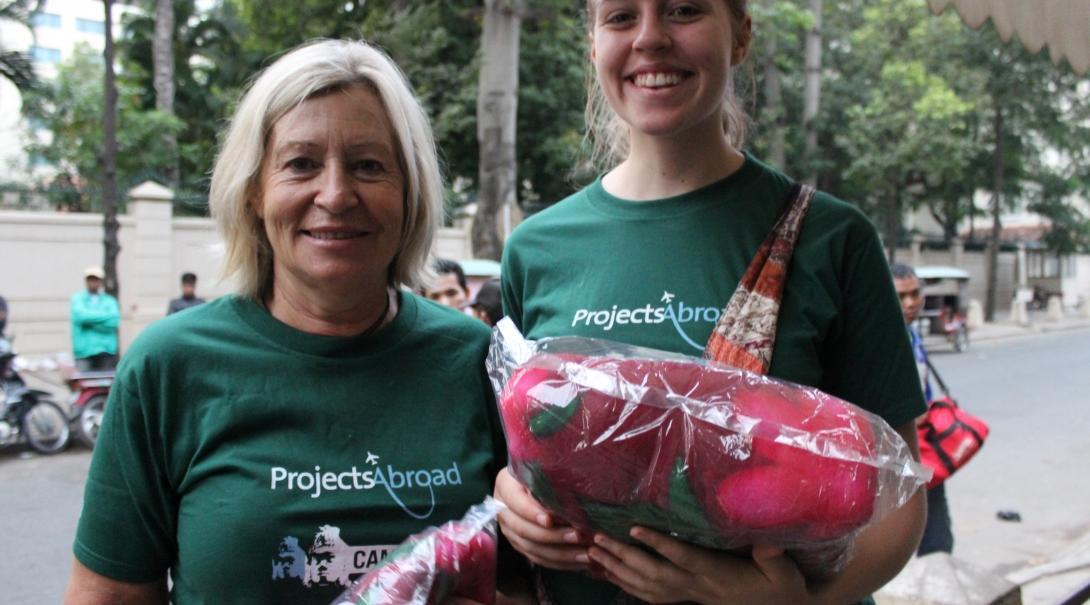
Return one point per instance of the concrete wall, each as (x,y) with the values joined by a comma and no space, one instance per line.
(1076,289)
(44,255)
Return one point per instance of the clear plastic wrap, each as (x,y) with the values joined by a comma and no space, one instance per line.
(456,559)
(609,435)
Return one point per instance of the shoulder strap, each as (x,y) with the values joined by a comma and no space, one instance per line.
(746,331)
(935,373)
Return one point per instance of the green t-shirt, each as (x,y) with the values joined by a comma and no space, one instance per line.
(261,464)
(658,274)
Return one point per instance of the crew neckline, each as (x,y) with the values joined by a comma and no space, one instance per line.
(684,203)
(319,345)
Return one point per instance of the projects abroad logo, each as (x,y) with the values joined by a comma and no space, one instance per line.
(317,482)
(676,312)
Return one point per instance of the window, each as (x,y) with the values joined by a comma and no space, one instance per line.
(46,20)
(89,26)
(45,55)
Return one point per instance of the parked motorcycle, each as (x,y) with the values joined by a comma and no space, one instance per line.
(28,414)
(88,403)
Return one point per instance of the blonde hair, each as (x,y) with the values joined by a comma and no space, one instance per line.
(608,136)
(311,70)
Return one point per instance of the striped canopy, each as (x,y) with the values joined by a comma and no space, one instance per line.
(1062,25)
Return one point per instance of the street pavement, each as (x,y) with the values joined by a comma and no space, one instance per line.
(1043,581)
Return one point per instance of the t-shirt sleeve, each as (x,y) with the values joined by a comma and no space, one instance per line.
(869,359)
(510,284)
(127,527)
(499,440)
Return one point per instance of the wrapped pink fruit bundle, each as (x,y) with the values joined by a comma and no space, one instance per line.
(609,436)
(456,559)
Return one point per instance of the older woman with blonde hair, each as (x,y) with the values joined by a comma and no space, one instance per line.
(274,445)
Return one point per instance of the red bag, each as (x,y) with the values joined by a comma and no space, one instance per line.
(949,437)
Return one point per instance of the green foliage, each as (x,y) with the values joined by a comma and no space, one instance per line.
(1070,232)
(906,143)
(437,44)
(274,27)
(206,74)
(71,109)
(15,66)
(552,72)
(908,109)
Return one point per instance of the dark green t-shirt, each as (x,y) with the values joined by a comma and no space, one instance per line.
(658,273)
(261,464)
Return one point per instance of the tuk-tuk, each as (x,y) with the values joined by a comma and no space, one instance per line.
(945,305)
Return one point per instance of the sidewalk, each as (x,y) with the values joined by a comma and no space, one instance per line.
(941,579)
(1038,324)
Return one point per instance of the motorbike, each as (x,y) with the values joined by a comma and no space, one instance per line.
(28,414)
(88,402)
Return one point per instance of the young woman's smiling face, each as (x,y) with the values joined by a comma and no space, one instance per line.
(664,64)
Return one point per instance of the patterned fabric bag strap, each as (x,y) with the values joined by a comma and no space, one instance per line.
(746,331)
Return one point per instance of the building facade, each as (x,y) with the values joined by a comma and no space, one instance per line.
(57,29)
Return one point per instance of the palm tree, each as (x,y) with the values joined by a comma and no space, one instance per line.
(15,65)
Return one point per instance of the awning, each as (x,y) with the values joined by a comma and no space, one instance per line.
(1062,25)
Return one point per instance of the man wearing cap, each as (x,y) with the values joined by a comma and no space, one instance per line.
(486,305)
(95,316)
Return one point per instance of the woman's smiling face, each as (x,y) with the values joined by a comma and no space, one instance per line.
(664,64)
(331,193)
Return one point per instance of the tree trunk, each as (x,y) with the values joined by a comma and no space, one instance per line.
(109,159)
(893,222)
(774,99)
(162,54)
(497,106)
(812,92)
(998,177)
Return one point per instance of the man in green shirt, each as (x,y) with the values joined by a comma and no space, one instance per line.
(95,318)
